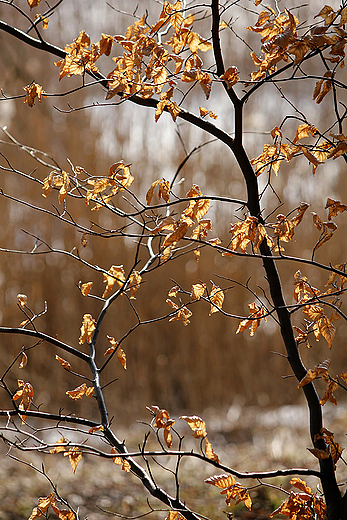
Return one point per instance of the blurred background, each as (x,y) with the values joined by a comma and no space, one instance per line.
(204,365)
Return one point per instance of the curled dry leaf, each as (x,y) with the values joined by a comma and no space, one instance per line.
(232,489)
(24,361)
(115,274)
(33,91)
(335,207)
(196,424)
(122,357)
(183,313)
(86,288)
(75,457)
(80,391)
(87,329)
(59,449)
(22,299)
(253,320)
(99,428)
(216,299)
(198,290)
(210,454)
(319,454)
(26,392)
(121,461)
(230,76)
(112,348)
(43,502)
(64,364)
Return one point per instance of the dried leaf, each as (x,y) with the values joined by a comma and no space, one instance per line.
(64,364)
(198,290)
(59,449)
(197,425)
(24,361)
(230,76)
(335,207)
(122,357)
(114,274)
(210,454)
(319,454)
(216,298)
(75,457)
(78,392)
(303,131)
(43,502)
(86,288)
(99,428)
(33,90)
(22,299)
(87,329)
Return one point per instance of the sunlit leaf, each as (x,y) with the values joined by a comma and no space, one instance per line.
(59,449)
(75,457)
(86,288)
(99,428)
(216,298)
(64,364)
(230,76)
(22,299)
(87,329)
(33,91)
(196,424)
(24,361)
(210,454)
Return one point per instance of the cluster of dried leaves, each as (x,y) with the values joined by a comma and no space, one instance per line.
(302,505)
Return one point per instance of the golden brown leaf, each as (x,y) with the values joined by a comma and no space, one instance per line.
(122,357)
(75,457)
(198,290)
(87,329)
(134,283)
(335,207)
(204,112)
(301,211)
(33,3)
(64,364)
(253,320)
(221,481)
(167,432)
(22,299)
(78,392)
(303,131)
(230,76)
(59,449)
(183,313)
(114,274)
(121,461)
(33,90)
(173,291)
(320,369)
(329,393)
(196,424)
(86,287)
(210,454)
(284,229)
(216,299)
(43,502)
(99,428)
(301,484)
(319,454)
(24,361)
(26,392)
(89,391)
